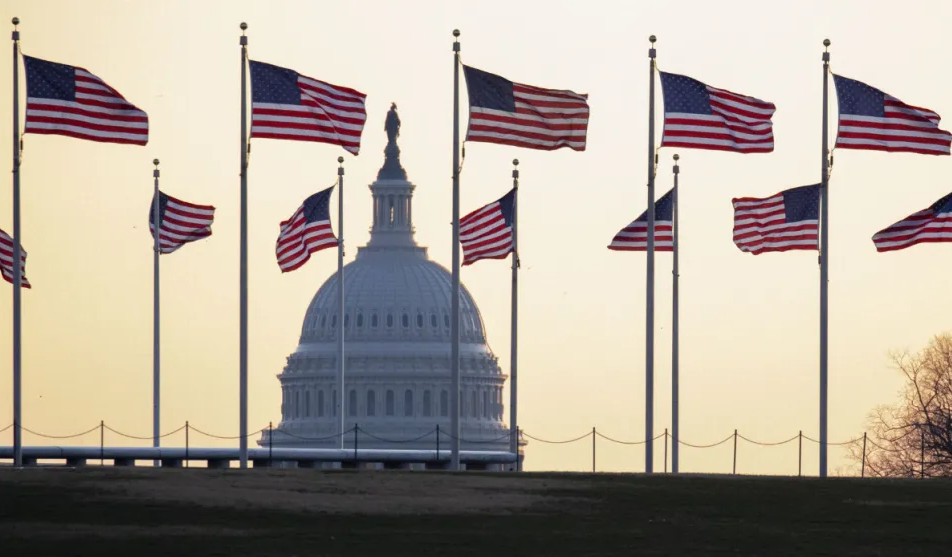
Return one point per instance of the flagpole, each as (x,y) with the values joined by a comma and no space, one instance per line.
(454,325)
(156,222)
(514,329)
(340,296)
(824,263)
(649,304)
(674,322)
(243,265)
(17,256)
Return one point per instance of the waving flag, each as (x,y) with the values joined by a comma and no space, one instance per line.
(509,113)
(486,233)
(932,224)
(287,105)
(786,221)
(307,231)
(180,222)
(70,101)
(871,119)
(634,237)
(6,260)
(699,116)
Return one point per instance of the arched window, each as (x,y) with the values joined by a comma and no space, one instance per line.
(427,404)
(323,320)
(446,321)
(371,403)
(444,404)
(433,322)
(307,404)
(373,320)
(360,321)
(408,403)
(352,403)
(346,320)
(389,403)
(474,408)
(389,320)
(405,321)
(485,404)
(320,404)
(334,321)
(297,403)
(419,320)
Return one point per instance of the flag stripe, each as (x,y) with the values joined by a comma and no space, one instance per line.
(486,233)
(180,222)
(926,226)
(762,225)
(6,260)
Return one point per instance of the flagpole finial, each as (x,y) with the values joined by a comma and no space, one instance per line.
(652,39)
(340,160)
(16,21)
(515,162)
(155,162)
(676,157)
(243,27)
(826,43)
(456,33)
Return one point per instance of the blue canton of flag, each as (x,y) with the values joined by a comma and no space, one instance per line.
(789,220)
(486,233)
(699,116)
(634,237)
(873,120)
(307,231)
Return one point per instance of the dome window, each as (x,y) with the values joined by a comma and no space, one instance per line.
(405,320)
(371,403)
(408,403)
(334,321)
(389,320)
(323,320)
(346,320)
(446,321)
(389,403)
(373,320)
(433,322)
(427,404)
(360,321)
(419,320)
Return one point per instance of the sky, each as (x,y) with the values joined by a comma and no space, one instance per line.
(749,324)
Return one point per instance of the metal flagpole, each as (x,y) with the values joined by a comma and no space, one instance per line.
(17,384)
(243,265)
(340,296)
(514,329)
(156,223)
(454,325)
(674,321)
(824,262)
(649,304)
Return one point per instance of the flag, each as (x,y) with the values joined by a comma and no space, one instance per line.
(509,113)
(287,105)
(871,119)
(699,116)
(68,100)
(932,224)
(307,231)
(6,260)
(180,222)
(634,237)
(486,233)
(786,221)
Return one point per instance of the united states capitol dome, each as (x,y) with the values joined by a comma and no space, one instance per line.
(396,324)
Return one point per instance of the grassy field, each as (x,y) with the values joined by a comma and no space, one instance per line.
(264,513)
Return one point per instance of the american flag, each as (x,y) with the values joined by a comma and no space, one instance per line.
(699,116)
(871,119)
(932,224)
(509,113)
(287,105)
(307,231)
(786,221)
(180,222)
(6,260)
(634,237)
(67,100)
(486,233)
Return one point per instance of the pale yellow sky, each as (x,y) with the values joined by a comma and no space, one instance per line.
(749,325)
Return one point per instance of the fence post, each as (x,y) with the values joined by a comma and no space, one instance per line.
(665,450)
(922,453)
(593,449)
(800,456)
(102,440)
(437,444)
(735,452)
(862,472)
(356,430)
(186,443)
(270,442)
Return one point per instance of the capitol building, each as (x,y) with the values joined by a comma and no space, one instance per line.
(396,328)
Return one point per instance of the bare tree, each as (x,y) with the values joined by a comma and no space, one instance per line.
(914,436)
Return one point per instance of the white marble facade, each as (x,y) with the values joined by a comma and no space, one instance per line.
(397,352)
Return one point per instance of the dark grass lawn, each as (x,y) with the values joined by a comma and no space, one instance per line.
(146,512)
